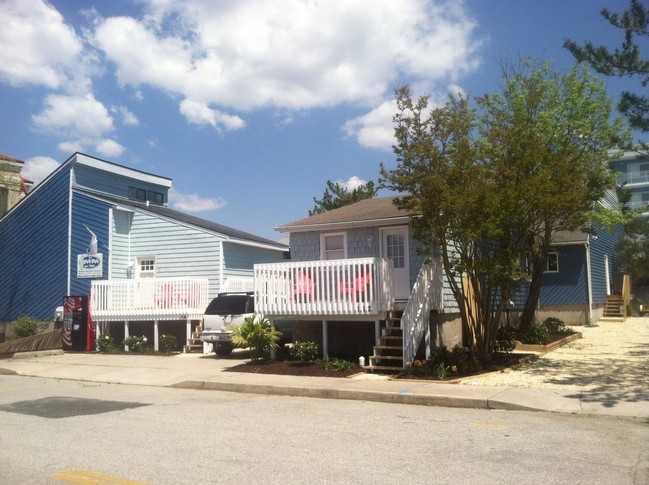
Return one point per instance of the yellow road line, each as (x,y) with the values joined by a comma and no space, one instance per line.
(84,477)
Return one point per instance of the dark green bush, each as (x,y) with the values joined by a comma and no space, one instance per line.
(505,341)
(536,334)
(304,351)
(106,343)
(167,343)
(555,325)
(26,326)
(336,364)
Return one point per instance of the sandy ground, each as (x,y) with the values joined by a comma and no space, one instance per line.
(611,357)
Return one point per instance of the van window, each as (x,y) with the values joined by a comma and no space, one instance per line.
(231,305)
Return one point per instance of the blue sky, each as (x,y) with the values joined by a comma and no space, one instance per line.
(250,106)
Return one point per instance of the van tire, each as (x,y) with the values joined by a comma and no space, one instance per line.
(223,350)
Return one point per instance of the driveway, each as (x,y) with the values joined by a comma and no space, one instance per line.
(612,359)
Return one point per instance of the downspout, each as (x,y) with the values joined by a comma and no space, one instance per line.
(589,284)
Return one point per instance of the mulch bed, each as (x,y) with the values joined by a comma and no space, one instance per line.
(317,369)
(291,368)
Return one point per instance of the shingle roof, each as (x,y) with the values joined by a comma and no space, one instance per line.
(365,211)
(191,220)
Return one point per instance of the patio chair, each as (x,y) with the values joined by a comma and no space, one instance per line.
(357,288)
(302,287)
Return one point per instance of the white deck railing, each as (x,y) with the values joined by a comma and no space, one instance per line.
(148,299)
(354,287)
(426,296)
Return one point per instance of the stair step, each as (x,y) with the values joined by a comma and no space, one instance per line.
(385,357)
(383,368)
(394,338)
(387,347)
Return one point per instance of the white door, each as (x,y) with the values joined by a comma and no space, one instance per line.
(394,243)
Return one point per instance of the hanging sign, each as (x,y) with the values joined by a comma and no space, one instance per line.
(90,265)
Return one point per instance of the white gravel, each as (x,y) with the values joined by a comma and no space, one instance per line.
(611,357)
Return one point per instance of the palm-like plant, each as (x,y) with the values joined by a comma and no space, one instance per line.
(257,334)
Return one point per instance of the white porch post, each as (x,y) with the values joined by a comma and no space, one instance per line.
(156,342)
(427,339)
(126,334)
(325,341)
(97,334)
(377,331)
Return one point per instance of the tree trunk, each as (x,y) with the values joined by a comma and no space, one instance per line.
(529,310)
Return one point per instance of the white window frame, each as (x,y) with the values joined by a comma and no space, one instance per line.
(140,261)
(323,239)
(555,256)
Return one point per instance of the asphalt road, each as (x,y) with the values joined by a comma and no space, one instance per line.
(56,431)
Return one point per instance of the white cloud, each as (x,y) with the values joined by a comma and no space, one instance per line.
(201,114)
(194,202)
(374,129)
(287,54)
(36,46)
(37,168)
(110,148)
(352,183)
(81,120)
(128,118)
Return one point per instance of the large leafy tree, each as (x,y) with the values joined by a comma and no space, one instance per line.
(624,61)
(493,182)
(336,195)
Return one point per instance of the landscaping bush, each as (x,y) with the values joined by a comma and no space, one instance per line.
(137,344)
(304,351)
(505,340)
(26,326)
(444,363)
(106,343)
(555,325)
(255,333)
(536,334)
(338,365)
(167,343)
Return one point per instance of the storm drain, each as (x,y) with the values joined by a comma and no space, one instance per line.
(66,407)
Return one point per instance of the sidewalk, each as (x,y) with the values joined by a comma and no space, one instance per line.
(605,373)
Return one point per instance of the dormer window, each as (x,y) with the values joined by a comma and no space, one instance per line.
(142,195)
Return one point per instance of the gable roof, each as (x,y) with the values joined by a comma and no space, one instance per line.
(164,211)
(379,211)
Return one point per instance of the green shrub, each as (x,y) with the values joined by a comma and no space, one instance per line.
(444,363)
(137,343)
(505,341)
(304,351)
(338,365)
(26,326)
(555,325)
(106,343)
(167,343)
(255,333)
(536,334)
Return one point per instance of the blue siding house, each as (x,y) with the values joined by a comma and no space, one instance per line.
(157,264)
(357,285)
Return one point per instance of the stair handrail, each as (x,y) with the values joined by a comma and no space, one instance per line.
(426,296)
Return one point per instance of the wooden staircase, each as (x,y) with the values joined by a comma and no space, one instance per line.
(614,309)
(195,344)
(388,354)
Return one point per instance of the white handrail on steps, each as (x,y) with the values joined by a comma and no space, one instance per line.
(426,296)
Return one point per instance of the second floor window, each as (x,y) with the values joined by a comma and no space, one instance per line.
(333,246)
(552,265)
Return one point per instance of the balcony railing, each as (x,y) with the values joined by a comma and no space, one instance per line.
(347,287)
(631,178)
(148,299)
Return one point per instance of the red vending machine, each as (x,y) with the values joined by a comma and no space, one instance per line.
(79,331)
